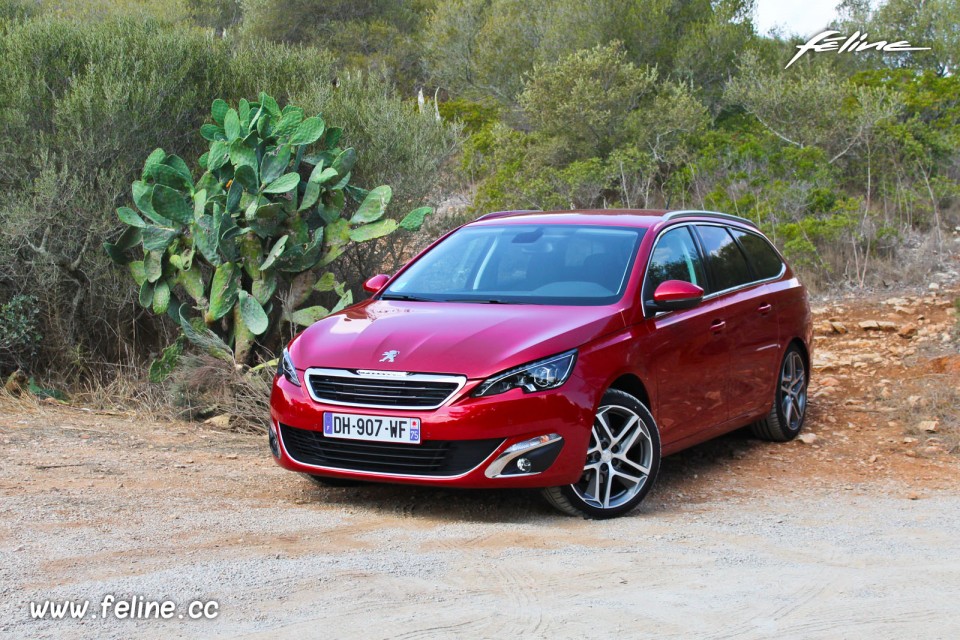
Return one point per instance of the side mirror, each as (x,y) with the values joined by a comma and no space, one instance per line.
(375,283)
(675,295)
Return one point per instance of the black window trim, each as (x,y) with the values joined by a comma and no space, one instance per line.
(714,294)
(703,263)
(709,266)
(708,270)
(750,260)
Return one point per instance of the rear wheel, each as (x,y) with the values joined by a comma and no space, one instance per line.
(785,419)
(622,461)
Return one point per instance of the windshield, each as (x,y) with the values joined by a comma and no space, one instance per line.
(523,264)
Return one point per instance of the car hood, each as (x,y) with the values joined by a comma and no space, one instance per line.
(476,340)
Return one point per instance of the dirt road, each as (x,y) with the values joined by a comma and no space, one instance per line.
(853,534)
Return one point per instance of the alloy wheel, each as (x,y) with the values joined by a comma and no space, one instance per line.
(619,459)
(793,391)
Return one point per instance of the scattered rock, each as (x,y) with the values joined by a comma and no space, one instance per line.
(930,426)
(838,327)
(931,451)
(231,456)
(878,325)
(910,453)
(220,422)
(933,286)
(829,381)
(907,331)
(946,364)
(913,495)
(873,458)
(807,438)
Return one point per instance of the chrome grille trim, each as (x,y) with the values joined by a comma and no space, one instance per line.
(367,381)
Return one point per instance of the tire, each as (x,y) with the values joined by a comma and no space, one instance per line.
(598,494)
(789,410)
(324,481)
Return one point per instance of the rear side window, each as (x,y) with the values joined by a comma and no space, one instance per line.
(766,263)
(727,263)
(675,258)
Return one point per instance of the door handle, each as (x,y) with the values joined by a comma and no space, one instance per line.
(765,308)
(717,326)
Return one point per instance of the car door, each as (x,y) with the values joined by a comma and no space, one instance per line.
(749,320)
(686,354)
(755,380)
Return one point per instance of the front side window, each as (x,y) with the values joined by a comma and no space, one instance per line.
(523,264)
(674,258)
(728,265)
(765,260)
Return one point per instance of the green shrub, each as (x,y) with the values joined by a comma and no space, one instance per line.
(82,103)
(19,334)
(246,240)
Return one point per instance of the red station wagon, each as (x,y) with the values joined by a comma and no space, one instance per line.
(566,350)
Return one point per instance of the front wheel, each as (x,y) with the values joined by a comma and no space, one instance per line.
(622,461)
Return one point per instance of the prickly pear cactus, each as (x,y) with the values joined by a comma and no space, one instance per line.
(232,255)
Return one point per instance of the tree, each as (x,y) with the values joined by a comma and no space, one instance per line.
(219,15)
(812,106)
(586,98)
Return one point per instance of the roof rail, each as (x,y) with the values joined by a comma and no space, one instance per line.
(670,215)
(504,214)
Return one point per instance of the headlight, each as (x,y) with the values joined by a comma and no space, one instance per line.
(541,375)
(286,369)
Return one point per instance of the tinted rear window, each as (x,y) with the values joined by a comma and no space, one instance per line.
(764,258)
(727,263)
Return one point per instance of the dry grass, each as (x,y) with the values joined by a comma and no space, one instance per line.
(118,387)
(936,398)
(204,386)
(201,387)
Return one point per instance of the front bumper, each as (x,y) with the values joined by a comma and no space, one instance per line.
(478,430)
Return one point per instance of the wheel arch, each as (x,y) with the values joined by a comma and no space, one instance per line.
(632,384)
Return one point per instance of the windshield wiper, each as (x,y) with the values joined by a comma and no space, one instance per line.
(485,301)
(406,298)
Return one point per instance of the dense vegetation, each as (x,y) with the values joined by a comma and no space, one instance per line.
(850,161)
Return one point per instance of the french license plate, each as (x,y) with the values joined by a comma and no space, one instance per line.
(351,426)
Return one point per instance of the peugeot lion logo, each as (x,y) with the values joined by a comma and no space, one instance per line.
(390,356)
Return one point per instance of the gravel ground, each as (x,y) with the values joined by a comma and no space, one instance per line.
(739,539)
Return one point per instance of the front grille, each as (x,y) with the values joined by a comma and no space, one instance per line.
(429,458)
(411,391)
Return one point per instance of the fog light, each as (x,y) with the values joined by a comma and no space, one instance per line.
(523,458)
(274,443)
